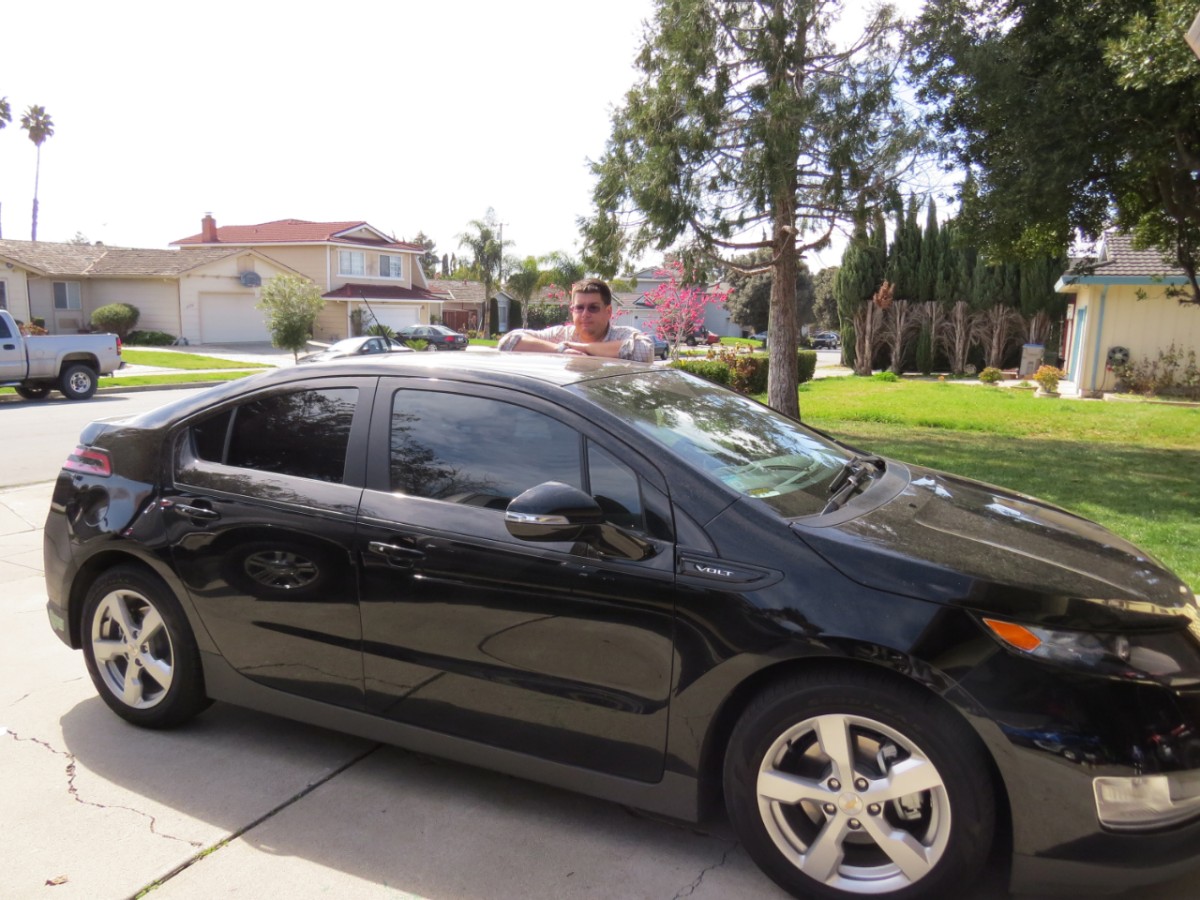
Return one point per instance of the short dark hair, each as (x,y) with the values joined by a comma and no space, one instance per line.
(593,286)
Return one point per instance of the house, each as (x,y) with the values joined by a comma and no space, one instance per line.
(1120,308)
(63,284)
(462,305)
(366,276)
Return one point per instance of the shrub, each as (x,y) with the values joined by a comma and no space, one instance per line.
(119,318)
(381,330)
(1048,377)
(150,339)
(885,376)
(1162,375)
(712,369)
(991,375)
(806,365)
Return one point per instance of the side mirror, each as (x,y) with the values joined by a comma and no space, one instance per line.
(552,511)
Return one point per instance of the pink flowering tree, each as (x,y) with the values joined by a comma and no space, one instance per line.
(680,308)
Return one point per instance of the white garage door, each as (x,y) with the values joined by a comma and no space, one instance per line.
(231,319)
(394,317)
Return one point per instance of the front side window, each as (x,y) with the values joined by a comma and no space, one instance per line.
(351,262)
(3,295)
(475,450)
(66,295)
(390,267)
(302,433)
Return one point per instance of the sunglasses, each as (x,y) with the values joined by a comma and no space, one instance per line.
(592,308)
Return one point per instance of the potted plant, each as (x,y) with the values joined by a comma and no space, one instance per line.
(1047,378)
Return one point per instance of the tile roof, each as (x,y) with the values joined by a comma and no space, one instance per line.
(352,291)
(97,260)
(1118,258)
(297,231)
(464,291)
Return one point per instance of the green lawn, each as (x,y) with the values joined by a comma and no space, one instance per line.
(1130,466)
(173,359)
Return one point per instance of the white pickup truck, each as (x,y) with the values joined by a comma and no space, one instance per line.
(71,363)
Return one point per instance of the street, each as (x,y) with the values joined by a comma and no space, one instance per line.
(239,803)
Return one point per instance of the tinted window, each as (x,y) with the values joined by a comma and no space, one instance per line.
(4,332)
(302,433)
(615,487)
(476,450)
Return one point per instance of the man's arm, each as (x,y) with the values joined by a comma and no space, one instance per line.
(545,340)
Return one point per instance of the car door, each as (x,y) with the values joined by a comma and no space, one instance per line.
(12,354)
(261,522)
(553,649)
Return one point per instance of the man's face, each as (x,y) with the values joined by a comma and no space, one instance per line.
(590,316)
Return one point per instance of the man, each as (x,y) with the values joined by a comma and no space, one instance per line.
(591,332)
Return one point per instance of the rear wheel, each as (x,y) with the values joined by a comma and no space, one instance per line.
(32,391)
(849,784)
(140,651)
(78,382)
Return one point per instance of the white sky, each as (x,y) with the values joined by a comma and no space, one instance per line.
(413,116)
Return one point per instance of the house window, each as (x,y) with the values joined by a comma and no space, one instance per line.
(390,267)
(66,295)
(351,262)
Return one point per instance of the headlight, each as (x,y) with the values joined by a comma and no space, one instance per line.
(1159,655)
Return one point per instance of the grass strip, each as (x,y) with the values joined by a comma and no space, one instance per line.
(173,359)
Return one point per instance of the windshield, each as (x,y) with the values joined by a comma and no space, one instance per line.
(745,445)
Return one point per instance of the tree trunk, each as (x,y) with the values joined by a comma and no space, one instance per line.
(782,338)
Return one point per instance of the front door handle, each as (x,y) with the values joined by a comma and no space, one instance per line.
(395,554)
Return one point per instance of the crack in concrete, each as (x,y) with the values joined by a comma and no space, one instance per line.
(71,772)
(695,885)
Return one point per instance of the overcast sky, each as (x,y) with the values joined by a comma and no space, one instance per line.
(413,116)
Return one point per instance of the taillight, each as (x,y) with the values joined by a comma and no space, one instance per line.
(120,344)
(91,461)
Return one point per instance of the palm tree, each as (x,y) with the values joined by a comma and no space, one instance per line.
(487,251)
(40,126)
(523,281)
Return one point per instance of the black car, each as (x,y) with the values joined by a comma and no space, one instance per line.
(357,346)
(623,580)
(436,337)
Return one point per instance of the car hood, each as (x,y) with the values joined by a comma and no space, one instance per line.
(954,540)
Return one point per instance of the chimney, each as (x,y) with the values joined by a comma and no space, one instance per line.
(208,229)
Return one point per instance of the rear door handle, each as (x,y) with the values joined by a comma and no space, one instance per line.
(192,512)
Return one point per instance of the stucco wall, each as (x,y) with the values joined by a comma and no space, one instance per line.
(157,301)
(16,290)
(221,277)
(1115,317)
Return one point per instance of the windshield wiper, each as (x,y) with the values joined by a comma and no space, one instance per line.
(845,483)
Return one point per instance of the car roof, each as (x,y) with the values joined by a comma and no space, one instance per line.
(490,366)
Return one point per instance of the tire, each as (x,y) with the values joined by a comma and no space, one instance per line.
(132,621)
(78,382)
(32,391)
(847,784)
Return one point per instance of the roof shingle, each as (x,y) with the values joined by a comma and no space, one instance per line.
(295,231)
(84,260)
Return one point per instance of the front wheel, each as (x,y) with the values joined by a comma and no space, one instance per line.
(32,391)
(849,784)
(139,650)
(78,382)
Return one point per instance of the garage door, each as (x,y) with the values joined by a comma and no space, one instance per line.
(232,319)
(394,317)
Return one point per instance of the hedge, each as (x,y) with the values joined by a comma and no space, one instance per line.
(744,373)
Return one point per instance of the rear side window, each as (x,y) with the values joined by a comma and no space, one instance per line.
(301,433)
